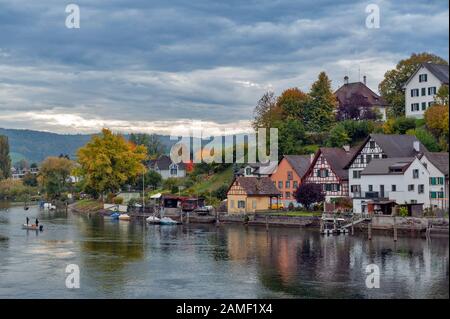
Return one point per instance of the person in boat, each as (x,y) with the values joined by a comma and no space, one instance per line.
(28,220)
(37,222)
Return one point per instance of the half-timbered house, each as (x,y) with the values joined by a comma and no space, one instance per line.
(328,169)
(377,146)
(251,194)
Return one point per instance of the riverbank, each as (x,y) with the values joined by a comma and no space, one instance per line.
(85,206)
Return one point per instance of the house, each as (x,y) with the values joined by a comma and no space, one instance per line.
(328,168)
(387,182)
(258,169)
(377,146)
(422,86)
(288,176)
(437,165)
(359,91)
(19,173)
(251,194)
(166,168)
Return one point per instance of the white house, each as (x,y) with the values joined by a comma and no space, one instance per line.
(258,169)
(422,86)
(437,165)
(393,181)
(167,169)
(378,146)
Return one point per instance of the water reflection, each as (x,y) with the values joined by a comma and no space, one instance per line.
(124,259)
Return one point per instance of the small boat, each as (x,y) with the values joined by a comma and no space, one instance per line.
(167,221)
(153,220)
(124,217)
(115,215)
(33,227)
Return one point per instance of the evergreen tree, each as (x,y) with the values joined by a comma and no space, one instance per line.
(320,112)
(5,160)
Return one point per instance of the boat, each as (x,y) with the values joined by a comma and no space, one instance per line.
(115,215)
(32,227)
(167,221)
(153,220)
(124,217)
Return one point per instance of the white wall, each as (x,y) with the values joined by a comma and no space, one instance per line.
(401,195)
(435,172)
(415,84)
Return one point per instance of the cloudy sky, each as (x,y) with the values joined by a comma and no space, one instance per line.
(139,65)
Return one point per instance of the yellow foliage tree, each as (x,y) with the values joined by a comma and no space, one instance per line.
(108,161)
(436,119)
(54,174)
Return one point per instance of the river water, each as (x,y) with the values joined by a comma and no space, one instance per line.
(120,259)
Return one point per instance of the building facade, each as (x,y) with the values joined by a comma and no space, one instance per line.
(422,86)
(437,165)
(168,169)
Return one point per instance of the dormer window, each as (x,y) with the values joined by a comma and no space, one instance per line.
(248,171)
(174,170)
(423,78)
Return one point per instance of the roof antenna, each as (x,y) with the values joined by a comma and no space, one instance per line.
(359,72)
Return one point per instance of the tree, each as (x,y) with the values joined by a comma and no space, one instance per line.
(152,142)
(399,125)
(338,137)
(266,111)
(441,97)
(436,120)
(426,138)
(54,175)
(108,161)
(391,88)
(309,193)
(293,103)
(22,165)
(319,115)
(291,137)
(5,160)
(30,180)
(151,179)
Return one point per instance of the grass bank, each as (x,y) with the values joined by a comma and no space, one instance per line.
(297,214)
(87,206)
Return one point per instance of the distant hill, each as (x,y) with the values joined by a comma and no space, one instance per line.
(35,146)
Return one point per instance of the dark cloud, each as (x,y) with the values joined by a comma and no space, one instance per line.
(205,60)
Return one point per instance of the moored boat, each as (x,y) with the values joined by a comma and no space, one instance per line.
(167,221)
(124,217)
(153,220)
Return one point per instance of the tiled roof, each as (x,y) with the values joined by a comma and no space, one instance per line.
(338,159)
(383,166)
(440,160)
(257,186)
(346,91)
(163,163)
(300,163)
(439,70)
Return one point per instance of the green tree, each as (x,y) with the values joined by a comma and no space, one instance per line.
(266,111)
(391,88)
(108,161)
(293,104)
(426,138)
(291,137)
(319,115)
(54,174)
(338,137)
(154,146)
(5,160)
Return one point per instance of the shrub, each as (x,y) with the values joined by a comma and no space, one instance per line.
(403,211)
(118,200)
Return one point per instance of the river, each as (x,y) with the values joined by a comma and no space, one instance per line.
(121,259)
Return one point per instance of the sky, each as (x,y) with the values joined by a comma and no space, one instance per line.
(159,66)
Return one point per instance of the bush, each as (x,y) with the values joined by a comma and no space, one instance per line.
(403,211)
(118,200)
(221,192)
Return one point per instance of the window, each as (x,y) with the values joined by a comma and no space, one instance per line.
(440,194)
(241,204)
(328,187)
(370,188)
(414,107)
(414,92)
(288,195)
(254,204)
(248,171)
(356,174)
(432,90)
(295,185)
(423,91)
(421,189)
(433,181)
(372,145)
(368,158)
(413,201)
(440,180)
(415,173)
(424,106)
(355,188)
(322,172)
(393,188)
(288,184)
(433,195)
(290,175)
(335,187)
(376,156)
(174,170)
(411,187)
(430,103)
(280,184)
(423,78)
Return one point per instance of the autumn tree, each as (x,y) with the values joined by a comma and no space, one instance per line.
(5,160)
(108,161)
(319,114)
(293,104)
(436,121)
(391,88)
(54,175)
(441,97)
(308,194)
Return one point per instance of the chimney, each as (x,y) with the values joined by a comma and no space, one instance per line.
(346,79)
(311,157)
(346,148)
(416,145)
(365,80)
